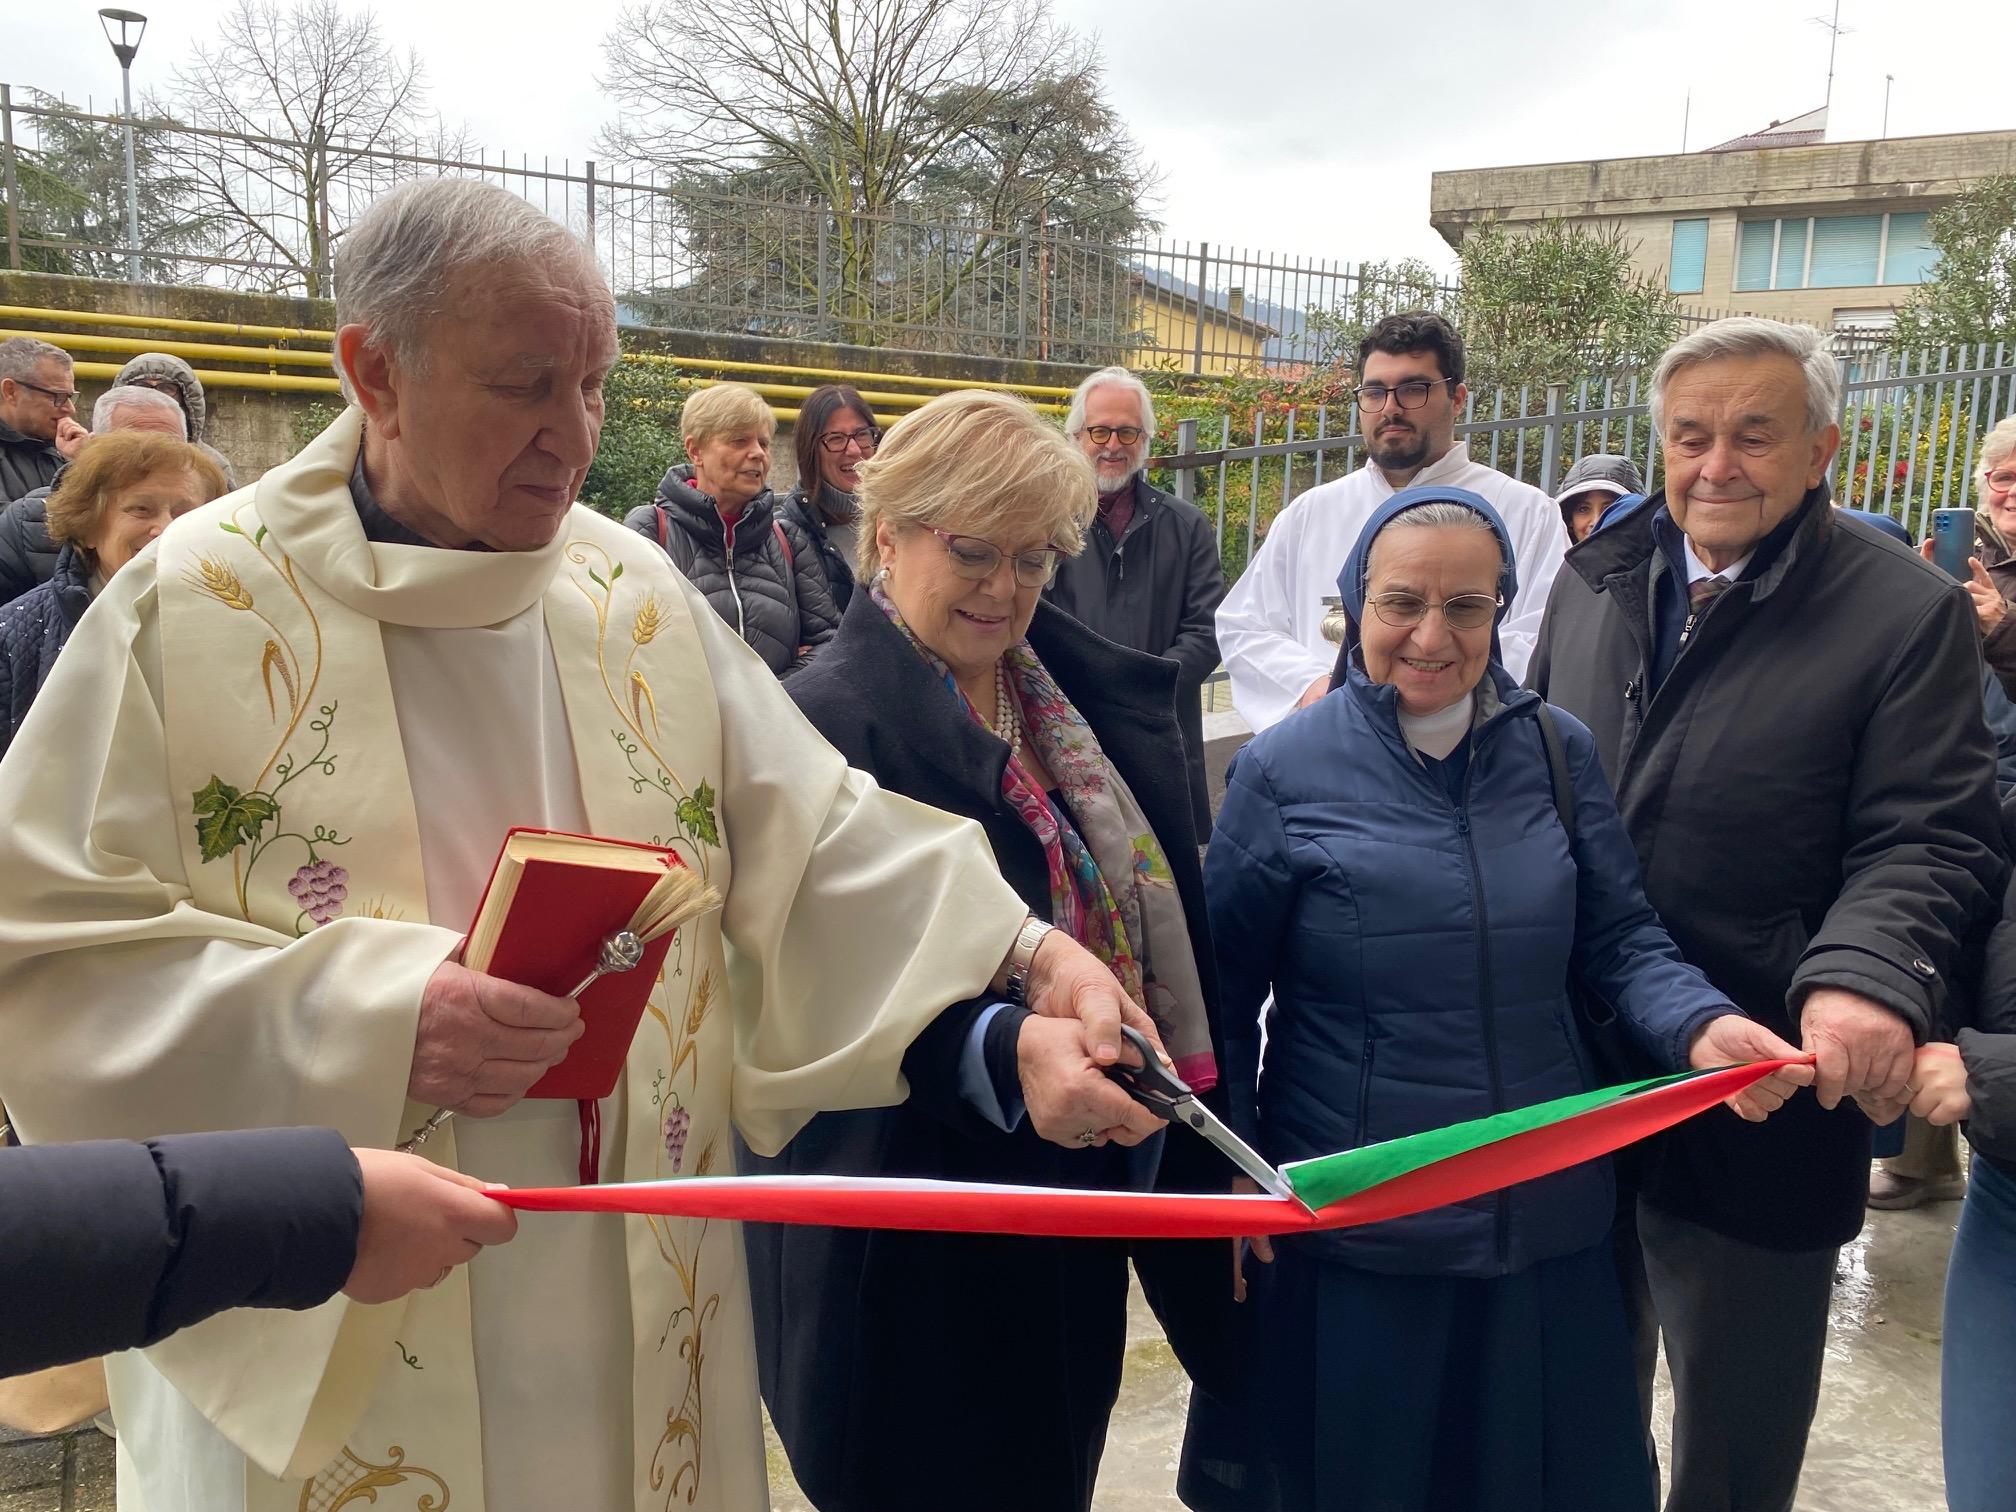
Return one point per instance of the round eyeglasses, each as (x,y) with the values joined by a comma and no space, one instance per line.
(1126,435)
(2003,481)
(1410,395)
(1466,611)
(865,440)
(976,559)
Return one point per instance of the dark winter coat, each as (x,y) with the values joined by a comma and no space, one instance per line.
(1998,648)
(33,629)
(1418,948)
(896,1365)
(115,1245)
(1156,589)
(25,463)
(808,517)
(761,575)
(27,555)
(1811,795)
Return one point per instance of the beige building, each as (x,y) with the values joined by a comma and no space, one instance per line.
(1776,223)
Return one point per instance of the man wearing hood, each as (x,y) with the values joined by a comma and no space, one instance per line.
(1410,395)
(1788,705)
(717,519)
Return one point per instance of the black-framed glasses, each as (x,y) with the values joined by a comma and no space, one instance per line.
(58,397)
(1126,435)
(976,559)
(1410,395)
(865,439)
(1466,611)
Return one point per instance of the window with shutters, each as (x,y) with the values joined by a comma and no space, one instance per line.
(1833,252)
(1687,269)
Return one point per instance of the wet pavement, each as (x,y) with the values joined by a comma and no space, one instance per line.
(1875,1443)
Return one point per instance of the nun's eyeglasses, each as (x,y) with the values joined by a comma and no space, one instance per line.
(1466,611)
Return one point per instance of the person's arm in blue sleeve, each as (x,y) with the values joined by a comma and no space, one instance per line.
(1249,887)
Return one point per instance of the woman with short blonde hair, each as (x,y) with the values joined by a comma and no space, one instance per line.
(717,519)
(107,507)
(953,682)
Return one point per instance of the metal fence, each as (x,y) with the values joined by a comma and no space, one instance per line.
(1911,429)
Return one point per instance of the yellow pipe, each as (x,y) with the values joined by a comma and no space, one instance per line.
(842,375)
(285,383)
(199,350)
(902,402)
(165,323)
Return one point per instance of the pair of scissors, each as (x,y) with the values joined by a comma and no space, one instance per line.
(1167,1095)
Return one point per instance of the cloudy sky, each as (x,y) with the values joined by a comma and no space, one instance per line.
(1298,126)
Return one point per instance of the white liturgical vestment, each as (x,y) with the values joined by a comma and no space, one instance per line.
(1270,626)
(249,816)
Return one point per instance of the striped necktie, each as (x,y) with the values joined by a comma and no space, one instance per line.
(1704,591)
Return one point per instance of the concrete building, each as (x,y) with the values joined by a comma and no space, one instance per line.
(1773,223)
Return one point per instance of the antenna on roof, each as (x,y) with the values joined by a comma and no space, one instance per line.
(1835,32)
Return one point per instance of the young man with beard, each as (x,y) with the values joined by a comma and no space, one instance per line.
(1149,577)
(1411,391)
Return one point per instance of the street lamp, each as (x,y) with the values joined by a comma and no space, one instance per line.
(125,47)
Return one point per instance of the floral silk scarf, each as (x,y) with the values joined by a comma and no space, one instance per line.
(1111,889)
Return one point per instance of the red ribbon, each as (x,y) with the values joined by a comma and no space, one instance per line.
(969,1208)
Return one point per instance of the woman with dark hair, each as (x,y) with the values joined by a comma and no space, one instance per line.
(835,434)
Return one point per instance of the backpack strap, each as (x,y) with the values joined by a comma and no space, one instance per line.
(664,534)
(790,557)
(1557,769)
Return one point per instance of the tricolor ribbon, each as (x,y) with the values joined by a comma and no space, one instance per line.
(1366,1185)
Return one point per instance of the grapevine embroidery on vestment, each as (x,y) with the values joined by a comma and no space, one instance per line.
(230,820)
(353,1480)
(675,1464)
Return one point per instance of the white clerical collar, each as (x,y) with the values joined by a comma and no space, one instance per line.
(1443,467)
(1698,569)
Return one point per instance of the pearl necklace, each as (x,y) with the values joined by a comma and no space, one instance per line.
(1007,718)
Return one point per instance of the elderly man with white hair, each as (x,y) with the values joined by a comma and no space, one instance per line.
(346,683)
(1149,577)
(1788,704)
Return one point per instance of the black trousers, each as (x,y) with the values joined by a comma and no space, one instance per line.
(1745,1330)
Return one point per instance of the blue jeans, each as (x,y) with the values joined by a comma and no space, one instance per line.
(1978,1367)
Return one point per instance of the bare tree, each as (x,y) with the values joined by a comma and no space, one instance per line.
(937,139)
(306,93)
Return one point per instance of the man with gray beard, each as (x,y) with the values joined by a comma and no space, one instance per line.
(1149,578)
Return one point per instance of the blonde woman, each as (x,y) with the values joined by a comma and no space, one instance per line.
(924,1370)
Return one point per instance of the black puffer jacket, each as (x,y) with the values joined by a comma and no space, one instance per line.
(33,629)
(799,510)
(26,464)
(763,576)
(27,555)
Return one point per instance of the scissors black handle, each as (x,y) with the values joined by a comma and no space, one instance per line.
(1151,1084)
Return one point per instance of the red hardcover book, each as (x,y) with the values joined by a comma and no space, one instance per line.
(551,901)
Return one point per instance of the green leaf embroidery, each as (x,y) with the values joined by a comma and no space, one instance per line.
(697,814)
(596,578)
(227,525)
(227,818)
(259,535)
(615,572)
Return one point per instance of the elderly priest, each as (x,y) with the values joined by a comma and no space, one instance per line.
(253,810)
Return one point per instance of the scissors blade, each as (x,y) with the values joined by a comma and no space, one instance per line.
(1189,1111)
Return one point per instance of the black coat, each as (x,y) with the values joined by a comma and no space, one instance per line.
(25,463)
(33,628)
(110,1246)
(765,579)
(27,555)
(1156,589)
(801,511)
(909,1370)
(1811,795)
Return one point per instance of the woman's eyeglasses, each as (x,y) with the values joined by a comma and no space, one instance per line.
(1126,435)
(2003,481)
(865,440)
(1466,611)
(976,559)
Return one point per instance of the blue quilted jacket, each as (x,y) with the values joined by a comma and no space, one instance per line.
(1418,950)
(33,629)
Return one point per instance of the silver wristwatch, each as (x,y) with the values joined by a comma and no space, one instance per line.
(1023,955)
